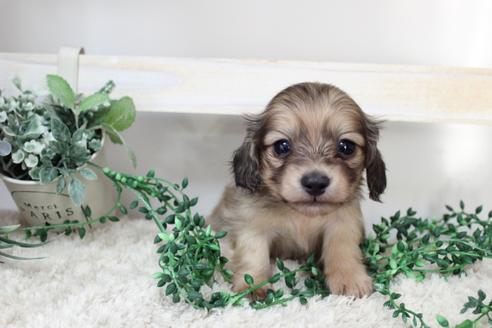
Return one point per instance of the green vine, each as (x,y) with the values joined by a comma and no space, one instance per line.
(190,255)
(422,246)
(478,306)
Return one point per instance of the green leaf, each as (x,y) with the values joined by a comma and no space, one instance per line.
(481,295)
(47,174)
(86,210)
(79,135)
(171,288)
(194,295)
(178,223)
(16,81)
(97,117)
(76,190)
(395,296)
(61,90)
(81,232)
(443,322)
(134,204)
(43,235)
(18,157)
(123,209)
(449,208)
(94,101)
(157,275)
(248,279)
(393,264)
(121,114)
(60,186)
(184,183)
(193,201)
(31,161)
(290,281)
(34,128)
(409,274)
(113,218)
(465,324)
(269,298)
(164,236)
(114,135)
(33,147)
(220,234)
(214,247)
(8,131)
(108,87)
(60,131)
(88,174)
(276,277)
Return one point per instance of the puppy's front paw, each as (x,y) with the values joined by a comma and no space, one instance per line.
(352,283)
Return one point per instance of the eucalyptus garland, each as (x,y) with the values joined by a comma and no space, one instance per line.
(190,257)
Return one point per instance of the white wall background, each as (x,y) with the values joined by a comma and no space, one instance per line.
(429,165)
(438,32)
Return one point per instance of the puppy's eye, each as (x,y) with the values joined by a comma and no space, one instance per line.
(282,147)
(346,147)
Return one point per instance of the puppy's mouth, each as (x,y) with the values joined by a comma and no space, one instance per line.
(313,202)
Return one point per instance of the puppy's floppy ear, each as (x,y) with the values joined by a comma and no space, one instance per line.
(246,162)
(375,167)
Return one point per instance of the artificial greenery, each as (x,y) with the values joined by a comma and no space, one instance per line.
(6,242)
(479,307)
(446,245)
(48,138)
(190,259)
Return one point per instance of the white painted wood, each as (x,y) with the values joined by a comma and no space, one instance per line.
(220,86)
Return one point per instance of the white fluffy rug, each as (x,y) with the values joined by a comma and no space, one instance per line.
(105,281)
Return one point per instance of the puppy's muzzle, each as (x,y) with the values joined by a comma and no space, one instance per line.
(315,183)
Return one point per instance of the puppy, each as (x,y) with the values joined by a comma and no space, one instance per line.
(298,178)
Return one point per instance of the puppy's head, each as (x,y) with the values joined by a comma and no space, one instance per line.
(309,149)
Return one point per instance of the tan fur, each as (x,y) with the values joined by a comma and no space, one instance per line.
(273,216)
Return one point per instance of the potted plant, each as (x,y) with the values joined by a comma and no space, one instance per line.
(49,147)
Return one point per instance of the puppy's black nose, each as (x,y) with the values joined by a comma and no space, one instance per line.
(315,183)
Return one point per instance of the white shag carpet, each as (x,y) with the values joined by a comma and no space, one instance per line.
(105,281)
